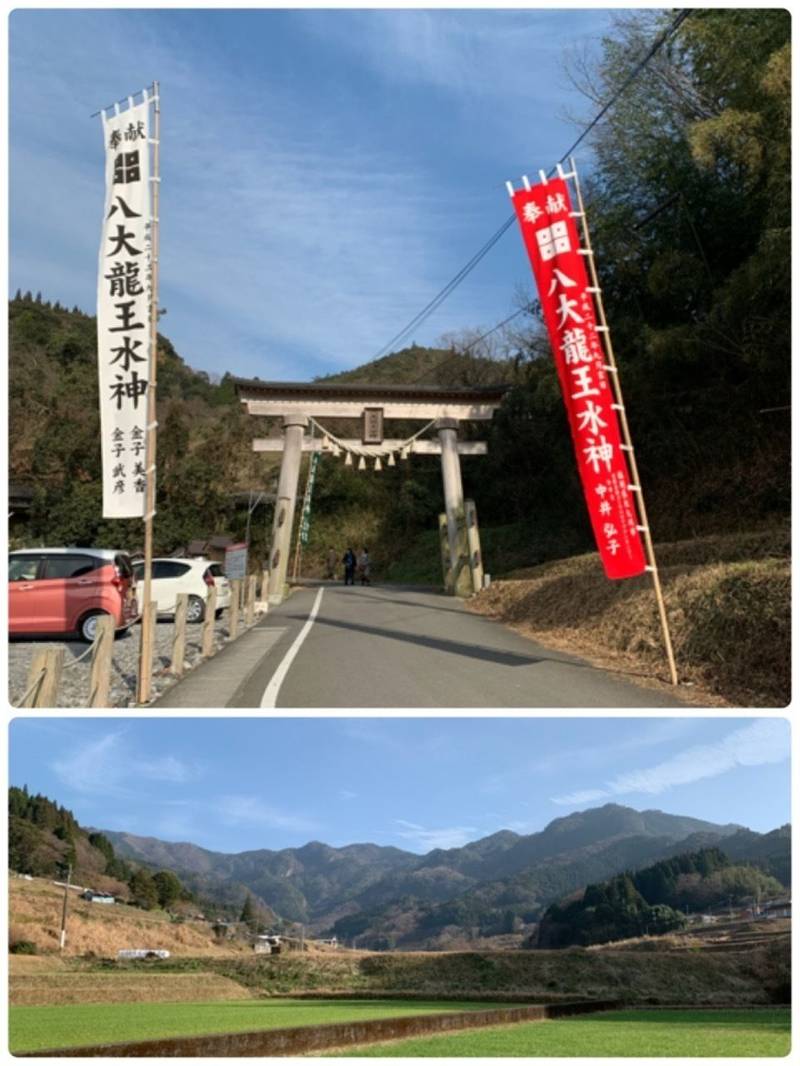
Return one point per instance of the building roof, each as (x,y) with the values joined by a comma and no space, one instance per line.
(249,389)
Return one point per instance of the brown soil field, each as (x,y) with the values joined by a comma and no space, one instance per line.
(99,929)
(728,602)
(34,990)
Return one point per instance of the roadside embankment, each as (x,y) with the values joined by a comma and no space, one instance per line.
(728,599)
(758,976)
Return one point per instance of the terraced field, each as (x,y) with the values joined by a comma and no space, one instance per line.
(617,1034)
(72,1025)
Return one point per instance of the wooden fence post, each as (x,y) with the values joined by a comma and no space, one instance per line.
(236,599)
(47,666)
(179,634)
(207,649)
(250,600)
(148,634)
(102,653)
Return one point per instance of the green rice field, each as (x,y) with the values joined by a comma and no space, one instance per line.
(44,1028)
(697,1033)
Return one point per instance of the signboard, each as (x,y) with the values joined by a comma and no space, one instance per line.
(235,564)
(551,238)
(305,520)
(123,311)
(372,432)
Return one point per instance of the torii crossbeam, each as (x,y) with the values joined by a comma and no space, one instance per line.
(297,403)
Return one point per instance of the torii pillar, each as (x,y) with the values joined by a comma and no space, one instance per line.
(447,428)
(293,428)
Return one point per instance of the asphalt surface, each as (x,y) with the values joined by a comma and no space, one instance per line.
(393,647)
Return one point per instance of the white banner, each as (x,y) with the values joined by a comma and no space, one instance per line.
(123,311)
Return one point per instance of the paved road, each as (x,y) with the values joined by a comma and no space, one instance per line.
(396,647)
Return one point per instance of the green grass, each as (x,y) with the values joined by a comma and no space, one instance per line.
(614,1034)
(45,1028)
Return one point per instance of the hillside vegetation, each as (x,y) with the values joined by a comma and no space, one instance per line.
(653,900)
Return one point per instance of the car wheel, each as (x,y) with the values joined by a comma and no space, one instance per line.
(195,609)
(87,627)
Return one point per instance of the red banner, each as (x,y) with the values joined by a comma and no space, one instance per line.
(551,237)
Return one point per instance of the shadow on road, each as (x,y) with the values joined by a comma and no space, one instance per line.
(453,647)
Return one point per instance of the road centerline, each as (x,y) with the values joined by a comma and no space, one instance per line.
(270,697)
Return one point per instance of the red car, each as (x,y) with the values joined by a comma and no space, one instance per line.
(59,591)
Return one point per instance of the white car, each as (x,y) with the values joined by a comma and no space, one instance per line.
(193,576)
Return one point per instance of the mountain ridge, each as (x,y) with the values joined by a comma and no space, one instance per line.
(391,896)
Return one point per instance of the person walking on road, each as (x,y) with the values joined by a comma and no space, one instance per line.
(349,560)
(363,566)
(330,569)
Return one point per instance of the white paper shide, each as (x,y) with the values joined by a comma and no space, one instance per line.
(123,311)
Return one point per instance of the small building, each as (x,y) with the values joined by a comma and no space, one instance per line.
(267,945)
(143,953)
(777,908)
(97,897)
(212,548)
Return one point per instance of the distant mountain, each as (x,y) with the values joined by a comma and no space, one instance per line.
(387,896)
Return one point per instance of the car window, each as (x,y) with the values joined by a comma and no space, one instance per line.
(168,569)
(23,567)
(138,571)
(63,566)
(216,570)
(123,565)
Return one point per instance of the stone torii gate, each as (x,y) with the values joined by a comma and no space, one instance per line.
(299,404)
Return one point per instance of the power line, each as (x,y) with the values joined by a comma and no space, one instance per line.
(483,336)
(453,284)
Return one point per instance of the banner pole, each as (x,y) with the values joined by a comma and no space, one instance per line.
(623,418)
(298,545)
(148,621)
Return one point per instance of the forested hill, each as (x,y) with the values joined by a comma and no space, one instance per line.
(689,204)
(45,840)
(654,900)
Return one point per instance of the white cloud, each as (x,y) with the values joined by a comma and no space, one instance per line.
(234,809)
(637,736)
(428,839)
(761,743)
(111,764)
(346,794)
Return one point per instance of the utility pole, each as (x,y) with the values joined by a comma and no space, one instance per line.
(64,908)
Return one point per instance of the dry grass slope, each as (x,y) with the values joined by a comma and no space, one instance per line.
(96,929)
(728,600)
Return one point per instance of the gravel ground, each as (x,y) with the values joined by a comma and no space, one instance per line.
(74,691)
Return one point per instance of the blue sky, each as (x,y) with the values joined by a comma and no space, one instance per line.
(242,783)
(324,173)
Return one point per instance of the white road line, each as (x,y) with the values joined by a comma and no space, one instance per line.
(270,697)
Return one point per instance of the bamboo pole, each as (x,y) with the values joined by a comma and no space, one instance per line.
(179,634)
(250,600)
(235,607)
(102,652)
(298,548)
(644,525)
(207,648)
(146,644)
